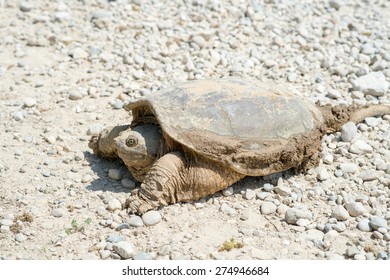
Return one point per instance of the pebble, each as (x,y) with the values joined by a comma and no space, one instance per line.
(364,225)
(18,116)
(322,173)
(4,229)
(105,254)
(128,183)
(115,238)
(75,95)
(355,209)
(339,227)
(267,207)
(282,190)
(6,222)
(372,122)
(20,237)
(124,249)
(135,221)
(377,222)
(86,178)
(349,167)
(114,204)
(200,41)
(227,210)
(101,14)
(142,256)
(374,84)
(228,191)
(58,212)
(25,6)
(94,129)
(340,213)
(249,194)
(151,218)
(348,131)
(268,187)
(369,175)
(114,174)
(294,214)
(360,147)
(29,102)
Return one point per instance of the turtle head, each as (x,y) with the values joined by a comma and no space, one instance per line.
(138,147)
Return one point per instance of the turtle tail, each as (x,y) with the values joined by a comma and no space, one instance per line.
(335,117)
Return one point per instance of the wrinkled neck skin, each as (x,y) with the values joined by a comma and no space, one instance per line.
(142,152)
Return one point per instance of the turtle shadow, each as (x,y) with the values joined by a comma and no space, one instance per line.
(100,167)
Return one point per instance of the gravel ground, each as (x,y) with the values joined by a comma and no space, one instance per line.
(67,69)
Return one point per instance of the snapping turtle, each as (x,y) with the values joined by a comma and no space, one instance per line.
(199,137)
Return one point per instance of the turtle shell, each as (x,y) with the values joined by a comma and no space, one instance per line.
(247,125)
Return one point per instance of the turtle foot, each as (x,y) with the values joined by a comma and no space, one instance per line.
(136,205)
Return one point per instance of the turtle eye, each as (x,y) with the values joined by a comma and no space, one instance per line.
(131,141)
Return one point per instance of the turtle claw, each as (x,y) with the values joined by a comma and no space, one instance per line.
(136,205)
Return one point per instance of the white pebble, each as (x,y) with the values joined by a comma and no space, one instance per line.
(151,218)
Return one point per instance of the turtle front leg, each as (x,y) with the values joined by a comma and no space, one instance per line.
(103,144)
(173,179)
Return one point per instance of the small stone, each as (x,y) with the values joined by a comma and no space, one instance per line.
(142,256)
(373,83)
(328,159)
(359,257)
(25,6)
(360,147)
(124,249)
(135,221)
(114,204)
(372,122)
(151,218)
(339,227)
(228,191)
(101,14)
(336,4)
(355,208)
(377,222)
(352,251)
(5,222)
(267,208)
(313,234)
(377,235)
(348,131)
(302,222)
(262,195)
(369,175)
(75,95)
(128,183)
(114,174)
(62,16)
(105,254)
(294,214)
(29,102)
(86,178)
(20,237)
(115,238)
(4,229)
(18,116)
(122,226)
(58,212)
(268,187)
(322,173)
(227,210)
(340,213)
(330,236)
(282,190)
(249,194)
(364,225)
(348,167)
(199,40)
(94,129)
